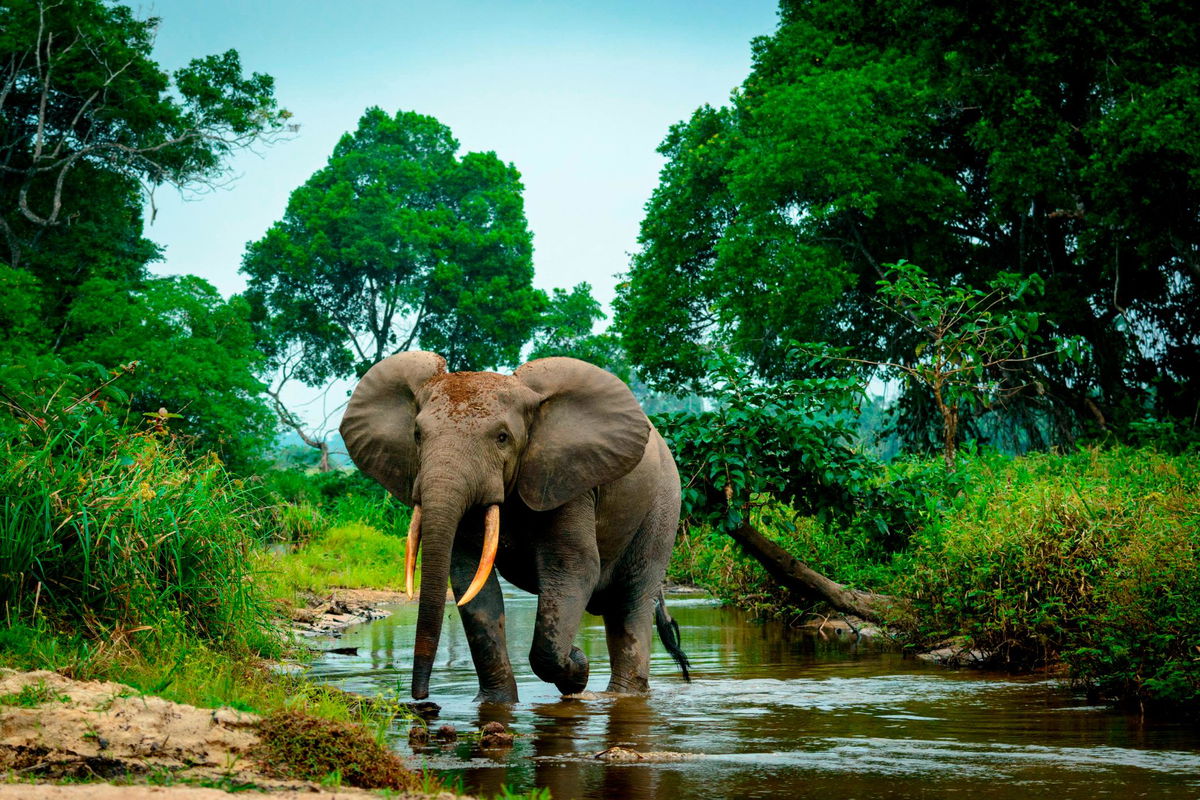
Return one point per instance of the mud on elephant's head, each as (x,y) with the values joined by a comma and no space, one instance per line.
(450,444)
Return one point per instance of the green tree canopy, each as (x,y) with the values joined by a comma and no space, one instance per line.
(565,329)
(87,118)
(395,243)
(1034,137)
(196,353)
(88,121)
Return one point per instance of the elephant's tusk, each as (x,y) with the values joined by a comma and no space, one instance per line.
(410,550)
(491,541)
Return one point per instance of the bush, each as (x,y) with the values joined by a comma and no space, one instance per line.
(107,530)
(1091,560)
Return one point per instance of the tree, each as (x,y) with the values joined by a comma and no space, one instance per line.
(86,113)
(972,344)
(89,124)
(395,243)
(1052,139)
(197,357)
(565,329)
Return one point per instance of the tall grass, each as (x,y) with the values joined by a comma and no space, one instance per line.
(118,532)
(1091,560)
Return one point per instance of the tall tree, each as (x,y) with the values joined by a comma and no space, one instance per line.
(89,123)
(1052,138)
(87,118)
(396,243)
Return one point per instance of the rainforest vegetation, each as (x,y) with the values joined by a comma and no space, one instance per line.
(915,310)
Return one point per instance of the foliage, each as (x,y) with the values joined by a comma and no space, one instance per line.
(1091,559)
(88,119)
(109,531)
(396,242)
(971,342)
(566,330)
(780,443)
(1038,138)
(196,354)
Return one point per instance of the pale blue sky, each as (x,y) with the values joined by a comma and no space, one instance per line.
(577,95)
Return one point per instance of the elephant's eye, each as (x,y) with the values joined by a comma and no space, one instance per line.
(417,435)
(502,437)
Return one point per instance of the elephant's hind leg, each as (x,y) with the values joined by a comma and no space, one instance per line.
(629,630)
(483,623)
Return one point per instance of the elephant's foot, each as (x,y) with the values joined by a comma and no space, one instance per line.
(577,676)
(627,685)
(569,675)
(505,696)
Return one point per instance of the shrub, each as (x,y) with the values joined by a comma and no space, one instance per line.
(1091,559)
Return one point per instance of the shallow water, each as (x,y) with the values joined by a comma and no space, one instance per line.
(771,713)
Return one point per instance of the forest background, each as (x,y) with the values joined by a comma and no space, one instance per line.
(993,212)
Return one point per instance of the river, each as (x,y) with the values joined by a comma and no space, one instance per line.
(774,713)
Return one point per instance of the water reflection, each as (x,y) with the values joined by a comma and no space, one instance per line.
(772,713)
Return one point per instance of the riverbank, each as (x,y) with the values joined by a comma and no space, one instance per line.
(56,729)
(1084,563)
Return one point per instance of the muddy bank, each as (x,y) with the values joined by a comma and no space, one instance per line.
(53,728)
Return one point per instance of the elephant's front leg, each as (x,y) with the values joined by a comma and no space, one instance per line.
(483,623)
(568,566)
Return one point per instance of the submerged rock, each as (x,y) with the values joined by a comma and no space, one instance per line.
(625,755)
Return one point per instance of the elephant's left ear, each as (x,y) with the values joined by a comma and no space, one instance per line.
(588,431)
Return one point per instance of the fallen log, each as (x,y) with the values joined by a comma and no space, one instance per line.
(808,585)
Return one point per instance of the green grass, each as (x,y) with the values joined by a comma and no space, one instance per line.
(118,532)
(31,695)
(351,555)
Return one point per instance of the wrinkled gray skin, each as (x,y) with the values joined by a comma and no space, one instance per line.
(588,495)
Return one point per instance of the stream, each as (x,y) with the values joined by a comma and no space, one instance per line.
(772,713)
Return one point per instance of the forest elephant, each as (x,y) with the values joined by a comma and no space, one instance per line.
(554,476)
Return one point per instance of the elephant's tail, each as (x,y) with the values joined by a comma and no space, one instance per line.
(668,631)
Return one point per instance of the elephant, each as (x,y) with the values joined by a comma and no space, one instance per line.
(553,475)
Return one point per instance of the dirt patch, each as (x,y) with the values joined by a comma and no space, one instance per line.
(51,725)
(55,728)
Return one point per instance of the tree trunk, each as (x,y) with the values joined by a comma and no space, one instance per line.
(807,584)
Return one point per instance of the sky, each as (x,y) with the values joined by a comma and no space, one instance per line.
(576,95)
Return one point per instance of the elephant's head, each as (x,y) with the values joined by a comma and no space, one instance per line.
(448,443)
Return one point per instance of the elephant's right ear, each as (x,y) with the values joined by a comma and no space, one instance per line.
(379,420)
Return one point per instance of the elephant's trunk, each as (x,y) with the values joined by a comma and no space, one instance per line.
(441,513)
